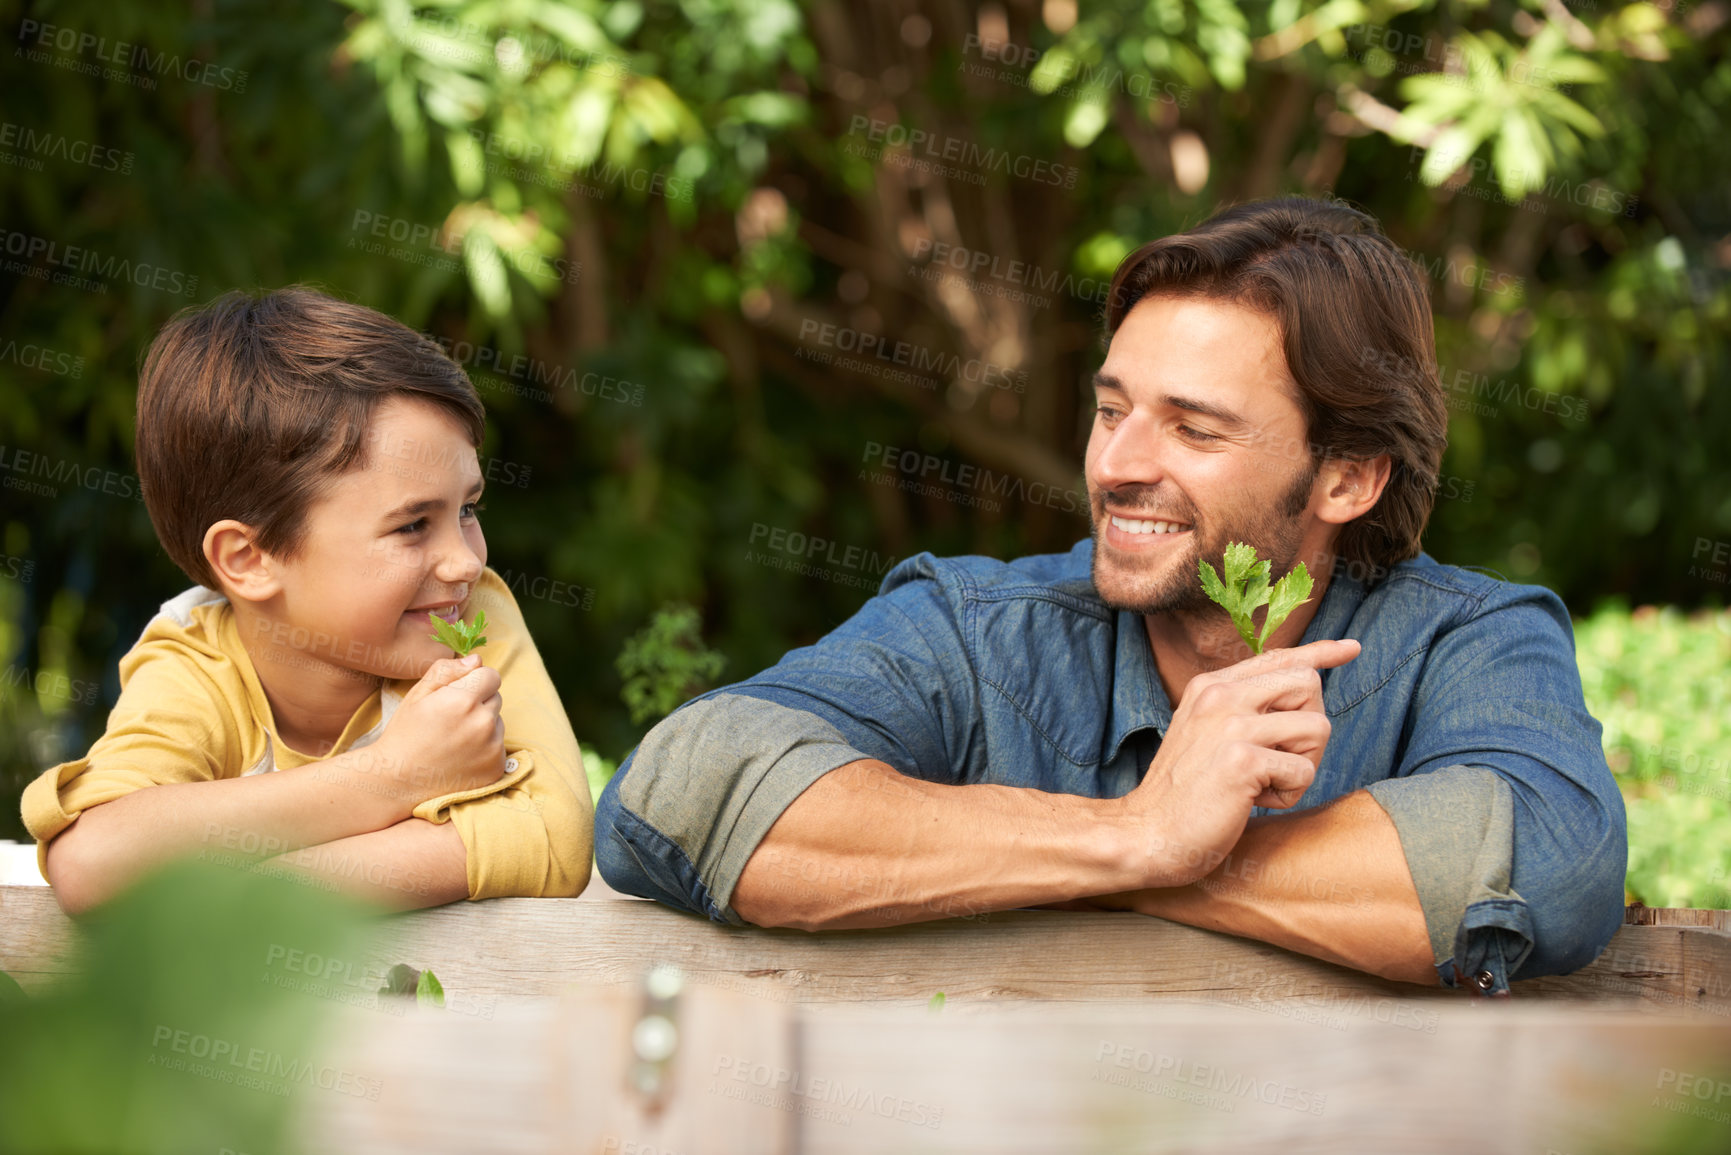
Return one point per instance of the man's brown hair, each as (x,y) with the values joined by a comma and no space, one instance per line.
(1354,315)
(249,405)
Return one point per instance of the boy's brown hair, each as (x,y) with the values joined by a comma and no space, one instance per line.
(249,405)
(1354,314)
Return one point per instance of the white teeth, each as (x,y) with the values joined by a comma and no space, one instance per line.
(1129,525)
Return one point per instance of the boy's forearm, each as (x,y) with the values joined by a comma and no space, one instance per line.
(408,866)
(235,820)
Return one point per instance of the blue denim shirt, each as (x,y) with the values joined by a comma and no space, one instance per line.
(1463,716)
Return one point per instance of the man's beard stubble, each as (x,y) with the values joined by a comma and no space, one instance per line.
(1178,590)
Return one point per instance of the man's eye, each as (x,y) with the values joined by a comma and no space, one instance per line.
(473,509)
(1196,434)
(1108,413)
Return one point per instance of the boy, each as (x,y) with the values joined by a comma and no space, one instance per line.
(312,466)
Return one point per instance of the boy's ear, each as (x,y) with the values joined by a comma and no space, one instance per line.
(245,570)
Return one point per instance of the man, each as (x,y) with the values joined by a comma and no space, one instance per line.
(1407,783)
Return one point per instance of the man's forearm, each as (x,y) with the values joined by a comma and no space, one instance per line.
(408,866)
(1330,882)
(865,846)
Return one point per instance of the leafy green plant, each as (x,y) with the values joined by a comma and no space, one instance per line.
(1659,681)
(459,635)
(666,662)
(1246,590)
(1534,129)
(429,991)
(404,981)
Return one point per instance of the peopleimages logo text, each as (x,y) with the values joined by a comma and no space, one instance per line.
(41,142)
(979,262)
(916,357)
(77,260)
(962,151)
(41,357)
(125,54)
(921,467)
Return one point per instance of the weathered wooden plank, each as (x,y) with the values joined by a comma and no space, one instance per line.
(515,948)
(35,935)
(1674,916)
(553,1075)
(510,948)
(491,952)
(1165,1078)
(1664,968)
(1025,1077)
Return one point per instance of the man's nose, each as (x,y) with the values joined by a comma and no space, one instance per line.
(1132,455)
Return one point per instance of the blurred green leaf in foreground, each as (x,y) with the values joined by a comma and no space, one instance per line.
(186,1025)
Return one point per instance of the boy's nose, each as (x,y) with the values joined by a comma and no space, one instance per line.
(459,566)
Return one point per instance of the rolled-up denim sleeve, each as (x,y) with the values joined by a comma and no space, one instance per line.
(1507,812)
(687,809)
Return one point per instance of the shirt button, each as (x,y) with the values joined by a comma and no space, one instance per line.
(1485,980)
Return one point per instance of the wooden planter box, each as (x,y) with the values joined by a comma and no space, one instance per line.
(1058,1031)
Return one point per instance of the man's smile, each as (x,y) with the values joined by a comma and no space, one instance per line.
(1142,533)
(1149,525)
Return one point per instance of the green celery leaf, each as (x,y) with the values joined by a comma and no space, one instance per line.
(1290,592)
(1214,589)
(460,637)
(1239,560)
(429,992)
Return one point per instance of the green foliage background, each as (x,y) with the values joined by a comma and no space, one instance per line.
(670,194)
(1661,684)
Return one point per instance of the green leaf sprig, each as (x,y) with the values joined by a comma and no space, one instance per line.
(404,981)
(460,635)
(429,991)
(1246,589)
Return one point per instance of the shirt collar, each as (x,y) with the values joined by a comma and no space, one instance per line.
(1139,700)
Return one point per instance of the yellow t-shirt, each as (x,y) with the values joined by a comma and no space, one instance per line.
(192,709)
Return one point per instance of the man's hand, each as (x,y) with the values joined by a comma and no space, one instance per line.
(1249,735)
(447,735)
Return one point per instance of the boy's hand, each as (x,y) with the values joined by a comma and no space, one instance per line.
(447,735)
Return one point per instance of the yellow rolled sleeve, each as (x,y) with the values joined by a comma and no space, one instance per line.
(171,724)
(532,833)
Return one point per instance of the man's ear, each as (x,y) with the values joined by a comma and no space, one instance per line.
(244,570)
(1350,488)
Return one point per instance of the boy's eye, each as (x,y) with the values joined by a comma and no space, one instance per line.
(466,513)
